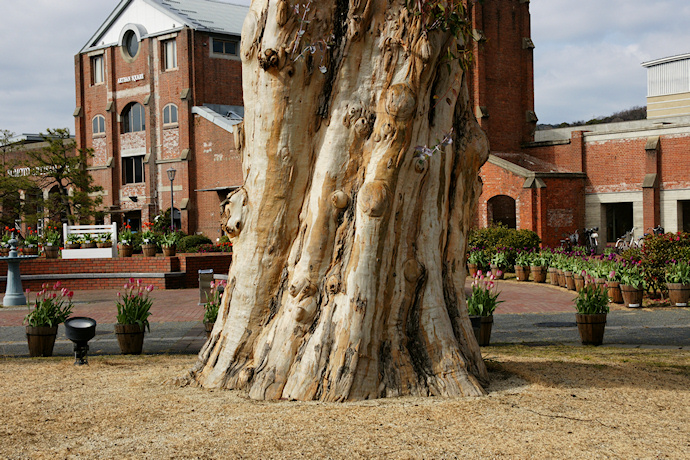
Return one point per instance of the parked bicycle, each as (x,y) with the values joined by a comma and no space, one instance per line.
(626,241)
(592,239)
(569,241)
(658,230)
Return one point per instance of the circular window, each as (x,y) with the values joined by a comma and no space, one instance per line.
(130,43)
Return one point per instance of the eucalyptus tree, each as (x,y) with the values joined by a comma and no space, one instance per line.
(361,157)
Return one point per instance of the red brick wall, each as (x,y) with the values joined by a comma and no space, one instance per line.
(210,80)
(217,164)
(502,77)
(189,264)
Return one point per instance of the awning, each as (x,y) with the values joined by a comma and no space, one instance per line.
(218,189)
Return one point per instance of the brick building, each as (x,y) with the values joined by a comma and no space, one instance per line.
(614,176)
(159,87)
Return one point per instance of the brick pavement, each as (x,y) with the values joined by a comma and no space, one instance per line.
(181,305)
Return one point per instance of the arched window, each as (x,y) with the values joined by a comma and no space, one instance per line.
(133,118)
(170,114)
(98,125)
(502,210)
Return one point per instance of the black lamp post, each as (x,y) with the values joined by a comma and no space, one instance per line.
(171,175)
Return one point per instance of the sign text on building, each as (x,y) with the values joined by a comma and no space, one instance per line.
(131,78)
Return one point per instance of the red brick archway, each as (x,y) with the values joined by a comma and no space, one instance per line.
(502,209)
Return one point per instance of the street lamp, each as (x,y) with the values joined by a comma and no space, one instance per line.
(171,175)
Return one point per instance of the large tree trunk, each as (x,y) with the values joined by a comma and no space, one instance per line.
(348,274)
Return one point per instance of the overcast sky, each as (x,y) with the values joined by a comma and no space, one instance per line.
(587,56)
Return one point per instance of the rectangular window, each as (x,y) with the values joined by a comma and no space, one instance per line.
(169,54)
(224,47)
(133,169)
(97,69)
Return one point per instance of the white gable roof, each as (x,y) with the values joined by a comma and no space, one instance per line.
(161,16)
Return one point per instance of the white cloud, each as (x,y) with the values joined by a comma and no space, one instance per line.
(588,53)
(587,56)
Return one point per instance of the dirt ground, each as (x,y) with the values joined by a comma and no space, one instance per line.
(547,402)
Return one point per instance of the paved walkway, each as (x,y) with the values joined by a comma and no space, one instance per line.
(531,313)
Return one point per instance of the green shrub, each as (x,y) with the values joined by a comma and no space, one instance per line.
(191,243)
(500,237)
(658,251)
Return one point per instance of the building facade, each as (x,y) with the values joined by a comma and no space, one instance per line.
(159,89)
(616,176)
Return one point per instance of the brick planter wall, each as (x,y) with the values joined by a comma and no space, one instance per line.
(177,272)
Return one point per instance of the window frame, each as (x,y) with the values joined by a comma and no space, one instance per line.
(168,108)
(99,133)
(127,118)
(172,42)
(97,63)
(223,54)
(129,169)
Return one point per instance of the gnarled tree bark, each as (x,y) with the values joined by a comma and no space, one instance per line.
(348,274)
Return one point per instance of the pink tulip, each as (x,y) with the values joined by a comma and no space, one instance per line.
(498,273)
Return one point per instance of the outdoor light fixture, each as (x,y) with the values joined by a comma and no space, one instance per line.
(80,330)
(171,175)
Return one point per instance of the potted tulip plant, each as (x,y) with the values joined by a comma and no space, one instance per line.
(125,248)
(523,261)
(481,305)
(133,311)
(30,243)
(592,305)
(678,282)
(51,242)
(538,266)
(499,262)
(148,240)
(632,285)
(169,243)
(212,305)
(53,305)
(476,260)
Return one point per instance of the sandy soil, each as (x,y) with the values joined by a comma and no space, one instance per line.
(543,403)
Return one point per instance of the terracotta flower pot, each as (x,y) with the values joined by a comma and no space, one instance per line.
(41,340)
(591,328)
(615,291)
(678,294)
(106,244)
(125,250)
(538,274)
(169,251)
(4,252)
(149,250)
(30,251)
(89,245)
(72,245)
(522,272)
(481,325)
(130,337)
(632,297)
